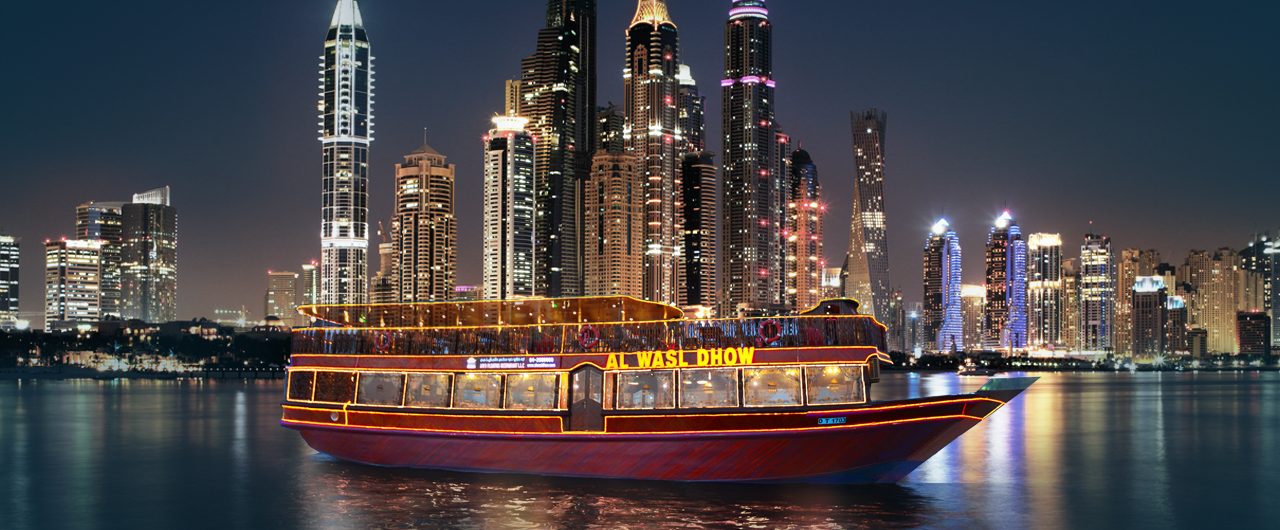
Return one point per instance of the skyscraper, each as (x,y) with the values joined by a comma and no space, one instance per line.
(1044,290)
(1177,328)
(805,259)
(281,299)
(1097,294)
(614,227)
(693,109)
(943,317)
(1214,296)
(71,283)
(309,284)
(510,229)
(868,260)
(1005,324)
(149,258)
(1272,250)
(698,257)
(383,287)
(104,221)
(346,121)
(558,96)
(1257,257)
(1133,264)
(1071,305)
(652,136)
(9,268)
(973,307)
(751,237)
(1149,317)
(1253,333)
(610,126)
(424,231)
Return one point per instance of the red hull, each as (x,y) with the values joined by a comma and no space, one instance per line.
(844,454)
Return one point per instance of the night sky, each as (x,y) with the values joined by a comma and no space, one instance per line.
(1157,120)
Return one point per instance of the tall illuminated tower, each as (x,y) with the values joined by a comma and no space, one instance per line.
(72,283)
(149,258)
(803,233)
(346,129)
(693,109)
(868,260)
(1044,290)
(557,93)
(651,134)
(104,221)
(424,231)
(751,243)
(699,226)
(510,227)
(1005,325)
(9,254)
(943,290)
(1097,294)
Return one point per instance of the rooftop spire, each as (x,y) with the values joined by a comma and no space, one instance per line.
(653,12)
(347,14)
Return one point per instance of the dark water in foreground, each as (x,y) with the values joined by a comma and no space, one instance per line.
(1077,451)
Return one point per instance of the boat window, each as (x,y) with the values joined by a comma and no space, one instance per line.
(709,388)
(831,385)
(532,391)
(335,387)
(771,387)
(301,383)
(478,391)
(428,391)
(646,390)
(380,388)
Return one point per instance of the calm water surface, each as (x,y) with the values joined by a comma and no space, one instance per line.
(1077,451)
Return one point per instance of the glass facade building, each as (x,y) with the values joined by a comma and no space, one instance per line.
(149,258)
(867,264)
(1005,322)
(651,133)
(9,281)
(1097,294)
(510,202)
(943,317)
(346,121)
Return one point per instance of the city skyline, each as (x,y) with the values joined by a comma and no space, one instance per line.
(912,203)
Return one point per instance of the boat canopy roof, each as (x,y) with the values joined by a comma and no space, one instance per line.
(526,312)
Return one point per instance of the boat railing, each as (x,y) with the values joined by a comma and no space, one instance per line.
(551,339)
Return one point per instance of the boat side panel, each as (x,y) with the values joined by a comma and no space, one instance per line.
(883,453)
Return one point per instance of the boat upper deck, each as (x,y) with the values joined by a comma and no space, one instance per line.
(570,326)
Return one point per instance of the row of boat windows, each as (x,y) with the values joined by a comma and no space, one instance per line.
(626,390)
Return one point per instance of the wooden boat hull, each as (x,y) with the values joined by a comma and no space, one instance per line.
(875,444)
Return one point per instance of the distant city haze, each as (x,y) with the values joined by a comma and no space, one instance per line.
(1154,120)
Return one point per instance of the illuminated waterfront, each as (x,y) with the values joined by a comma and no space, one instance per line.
(1078,450)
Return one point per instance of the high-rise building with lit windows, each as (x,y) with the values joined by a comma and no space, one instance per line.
(610,125)
(104,221)
(1214,282)
(1044,290)
(9,281)
(751,246)
(281,298)
(652,136)
(72,283)
(973,307)
(1097,294)
(693,109)
(309,284)
(700,225)
(346,130)
(1005,323)
(867,264)
(614,226)
(1133,264)
(558,96)
(1070,305)
(510,228)
(1148,317)
(149,258)
(424,231)
(943,317)
(805,259)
